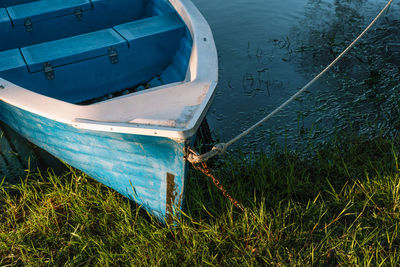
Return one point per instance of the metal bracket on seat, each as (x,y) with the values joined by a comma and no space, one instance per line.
(28,24)
(113,55)
(78,13)
(48,71)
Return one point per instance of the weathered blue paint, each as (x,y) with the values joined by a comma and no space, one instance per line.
(75,38)
(134,165)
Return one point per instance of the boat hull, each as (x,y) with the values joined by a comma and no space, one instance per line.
(149,170)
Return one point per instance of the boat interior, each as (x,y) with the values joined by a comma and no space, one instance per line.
(85,51)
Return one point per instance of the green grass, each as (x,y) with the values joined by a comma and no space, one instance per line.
(336,204)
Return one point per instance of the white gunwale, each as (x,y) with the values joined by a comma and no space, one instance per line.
(174,111)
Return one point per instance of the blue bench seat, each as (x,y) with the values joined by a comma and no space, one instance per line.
(82,67)
(73,49)
(139,35)
(150,27)
(46,9)
(47,20)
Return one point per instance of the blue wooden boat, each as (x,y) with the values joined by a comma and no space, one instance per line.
(114,88)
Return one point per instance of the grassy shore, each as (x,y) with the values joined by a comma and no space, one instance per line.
(336,204)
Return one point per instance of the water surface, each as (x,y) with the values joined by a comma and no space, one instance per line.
(268,49)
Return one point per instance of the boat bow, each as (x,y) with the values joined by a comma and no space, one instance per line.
(173,110)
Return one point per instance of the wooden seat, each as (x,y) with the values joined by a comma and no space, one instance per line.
(73,49)
(101,62)
(47,20)
(137,31)
(46,9)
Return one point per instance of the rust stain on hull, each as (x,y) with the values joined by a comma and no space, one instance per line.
(171,195)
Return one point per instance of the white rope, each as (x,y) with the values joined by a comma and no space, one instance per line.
(221,148)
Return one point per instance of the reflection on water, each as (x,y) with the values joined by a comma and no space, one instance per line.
(268,49)
(361,91)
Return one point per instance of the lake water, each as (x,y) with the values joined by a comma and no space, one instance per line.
(268,49)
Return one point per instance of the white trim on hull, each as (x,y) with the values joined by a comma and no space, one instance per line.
(174,110)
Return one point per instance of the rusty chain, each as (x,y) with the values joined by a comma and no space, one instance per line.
(207,171)
(202,166)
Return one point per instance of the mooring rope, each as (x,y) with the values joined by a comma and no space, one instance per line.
(221,148)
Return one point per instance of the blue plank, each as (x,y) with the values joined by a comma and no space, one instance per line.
(5,22)
(150,27)
(73,49)
(45,9)
(11,59)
